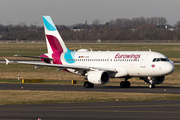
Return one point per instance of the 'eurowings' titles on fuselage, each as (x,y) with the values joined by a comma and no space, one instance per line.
(126,56)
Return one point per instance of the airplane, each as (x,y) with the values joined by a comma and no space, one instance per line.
(98,67)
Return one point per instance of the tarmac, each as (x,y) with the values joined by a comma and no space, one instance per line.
(98,88)
(149,110)
(93,111)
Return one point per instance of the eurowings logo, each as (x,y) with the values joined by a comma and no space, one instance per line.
(135,56)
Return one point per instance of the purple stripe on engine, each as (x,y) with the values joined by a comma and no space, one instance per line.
(54,43)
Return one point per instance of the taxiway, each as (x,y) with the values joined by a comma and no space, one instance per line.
(148,110)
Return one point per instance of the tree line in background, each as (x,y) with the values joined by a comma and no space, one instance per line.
(154,28)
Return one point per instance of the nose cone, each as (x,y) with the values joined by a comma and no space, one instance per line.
(169,68)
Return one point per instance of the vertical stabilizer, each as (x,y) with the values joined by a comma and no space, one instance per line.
(54,41)
(55,44)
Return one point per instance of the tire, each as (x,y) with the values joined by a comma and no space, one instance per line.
(152,86)
(128,84)
(91,85)
(122,84)
(86,84)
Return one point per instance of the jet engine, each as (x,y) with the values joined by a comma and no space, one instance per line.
(155,80)
(97,77)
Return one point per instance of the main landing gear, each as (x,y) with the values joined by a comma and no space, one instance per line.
(125,84)
(88,85)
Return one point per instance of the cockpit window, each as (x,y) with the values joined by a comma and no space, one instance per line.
(157,60)
(163,59)
(160,59)
(168,60)
(154,60)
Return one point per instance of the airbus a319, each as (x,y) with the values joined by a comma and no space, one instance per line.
(98,67)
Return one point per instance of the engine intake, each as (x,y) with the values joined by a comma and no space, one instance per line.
(97,77)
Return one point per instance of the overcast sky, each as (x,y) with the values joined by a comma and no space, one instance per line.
(69,12)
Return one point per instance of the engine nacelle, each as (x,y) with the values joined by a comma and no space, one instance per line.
(97,77)
(156,80)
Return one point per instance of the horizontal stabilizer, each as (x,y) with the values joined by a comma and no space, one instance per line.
(7,61)
(33,57)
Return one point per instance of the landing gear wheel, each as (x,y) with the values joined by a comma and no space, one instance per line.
(88,85)
(91,85)
(128,84)
(124,84)
(152,86)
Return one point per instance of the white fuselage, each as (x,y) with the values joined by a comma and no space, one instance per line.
(126,63)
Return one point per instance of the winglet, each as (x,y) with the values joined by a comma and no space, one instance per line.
(7,61)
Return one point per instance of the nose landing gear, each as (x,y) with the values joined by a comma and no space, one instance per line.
(151,82)
(152,86)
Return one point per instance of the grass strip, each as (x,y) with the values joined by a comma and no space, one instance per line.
(8,97)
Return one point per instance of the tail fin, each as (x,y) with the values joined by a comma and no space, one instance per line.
(54,41)
(55,44)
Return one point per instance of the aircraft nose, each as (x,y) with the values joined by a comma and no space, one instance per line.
(170,68)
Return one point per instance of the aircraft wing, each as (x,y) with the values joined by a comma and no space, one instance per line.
(62,66)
